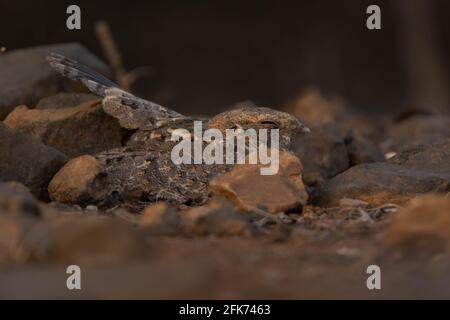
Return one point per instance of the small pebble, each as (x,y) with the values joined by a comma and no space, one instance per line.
(92,208)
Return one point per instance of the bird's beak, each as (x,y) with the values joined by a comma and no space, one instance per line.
(305,129)
(301,128)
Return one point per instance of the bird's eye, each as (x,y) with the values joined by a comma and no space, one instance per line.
(270,123)
(235,126)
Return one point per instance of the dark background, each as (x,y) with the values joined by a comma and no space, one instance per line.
(206,55)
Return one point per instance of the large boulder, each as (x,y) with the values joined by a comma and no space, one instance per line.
(27,77)
(27,160)
(413,172)
(84,129)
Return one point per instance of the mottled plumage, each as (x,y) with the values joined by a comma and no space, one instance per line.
(142,171)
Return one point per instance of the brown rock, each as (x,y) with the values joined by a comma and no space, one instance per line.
(413,172)
(27,160)
(314,109)
(423,227)
(283,191)
(27,77)
(94,240)
(84,129)
(23,237)
(72,183)
(160,219)
(10,233)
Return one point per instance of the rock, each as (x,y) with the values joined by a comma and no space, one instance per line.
(431,157)
(94,240)
(190,217)
(27,77)
(17,188)
(423,227)
(417,130)
(65,100)
(72,183)
(413,172)
(160,219)
(333,127)
(12,231)
(16,199)
(370,126)
(125,215)
(323,153)
(27,160)
(54,210)
(314,109)
(280,192)
(361,149)
(218,217)
(23,236)
(84,129)
(91,209)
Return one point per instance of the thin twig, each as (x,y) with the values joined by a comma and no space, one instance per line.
(110,49)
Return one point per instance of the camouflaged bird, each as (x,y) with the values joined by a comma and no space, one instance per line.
(143,171)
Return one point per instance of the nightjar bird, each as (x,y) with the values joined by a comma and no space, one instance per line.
(142,171)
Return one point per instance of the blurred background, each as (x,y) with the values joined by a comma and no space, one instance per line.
(203,56)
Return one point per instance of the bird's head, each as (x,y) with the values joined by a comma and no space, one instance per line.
(260,118)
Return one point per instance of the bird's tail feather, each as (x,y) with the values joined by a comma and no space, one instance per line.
(74,70)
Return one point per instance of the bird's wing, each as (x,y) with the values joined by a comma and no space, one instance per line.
(131,111)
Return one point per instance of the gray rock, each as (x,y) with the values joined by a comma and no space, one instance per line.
(361,149)
(415,171)
(27,160)
(432,157)
(323,153)
(65,100)
(22,234)
(27,77)
(417,130)
(16,199)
